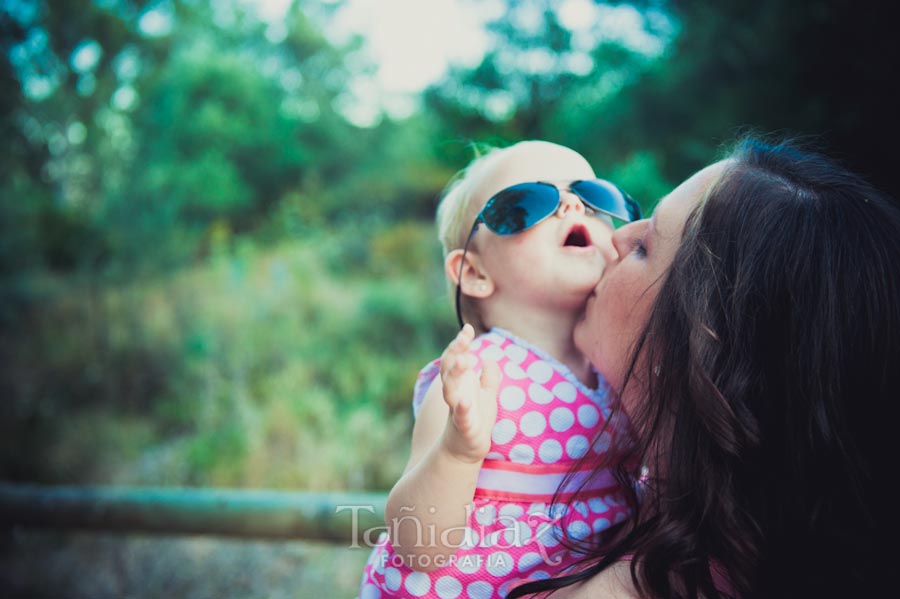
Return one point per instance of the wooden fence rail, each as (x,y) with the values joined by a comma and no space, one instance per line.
(335,517)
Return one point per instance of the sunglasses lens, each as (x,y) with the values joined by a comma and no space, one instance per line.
(607,198)
(519,207)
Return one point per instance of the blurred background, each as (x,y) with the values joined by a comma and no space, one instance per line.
(218,266)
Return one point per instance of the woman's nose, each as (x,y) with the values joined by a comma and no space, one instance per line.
(619,243)
(569,201)
(607,247)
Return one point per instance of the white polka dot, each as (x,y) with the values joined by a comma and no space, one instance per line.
(561,419)
(600,524)
(370,592)
(470,539)
(494,339)
(512,398)
(581,507)
(499,563)
(533,424)
(620,517)
(579,530)
(479,590)
(392,578)
(515,353)
(602,443)
(522,454)
(565,391)
(476,344)
(557,534)
(539,575)
(537,508)
(612,500)
(486,515)
(511,511)
(529,561)
(539,394)
(576,446)
(588,416)
(447,587)
(469,563)
(517,535)
(558,510)
(549,535)
(597,506)
(417,583)
(540,371)
(514,371)
(550,451)
(503,589)
(492,353)
(494,455)
(503,431)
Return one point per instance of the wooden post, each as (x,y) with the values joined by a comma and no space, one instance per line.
(336,517)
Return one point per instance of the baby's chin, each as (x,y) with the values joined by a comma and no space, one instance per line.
(586,288)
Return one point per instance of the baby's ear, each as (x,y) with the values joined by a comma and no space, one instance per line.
(476,282)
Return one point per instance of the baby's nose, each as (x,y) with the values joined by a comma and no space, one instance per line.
(569,201)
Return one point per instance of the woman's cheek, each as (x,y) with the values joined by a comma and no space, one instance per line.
(614,318)
(592,334)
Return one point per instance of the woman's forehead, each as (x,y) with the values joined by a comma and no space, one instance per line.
(672,211)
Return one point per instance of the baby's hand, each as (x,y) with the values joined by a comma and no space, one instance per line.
(472,402)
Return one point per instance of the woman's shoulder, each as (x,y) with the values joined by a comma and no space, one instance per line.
(612,583)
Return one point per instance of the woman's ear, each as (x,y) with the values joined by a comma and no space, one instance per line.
(476,282)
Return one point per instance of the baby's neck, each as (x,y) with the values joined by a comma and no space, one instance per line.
(553,335)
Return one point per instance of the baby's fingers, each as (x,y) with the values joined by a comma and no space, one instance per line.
(460,343)
(490,379)
(454,377)
(456,360)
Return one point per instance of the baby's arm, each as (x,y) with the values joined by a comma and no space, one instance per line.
(452,434)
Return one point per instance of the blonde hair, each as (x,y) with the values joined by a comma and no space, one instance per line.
(458,207)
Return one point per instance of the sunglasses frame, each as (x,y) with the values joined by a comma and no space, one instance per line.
(631,206)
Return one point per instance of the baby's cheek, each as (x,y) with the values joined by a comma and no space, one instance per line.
(601,236)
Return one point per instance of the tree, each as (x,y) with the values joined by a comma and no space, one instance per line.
(815,69)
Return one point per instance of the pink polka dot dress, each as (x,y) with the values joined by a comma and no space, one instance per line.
(546,421)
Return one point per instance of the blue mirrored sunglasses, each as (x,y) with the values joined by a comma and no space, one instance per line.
(520,207)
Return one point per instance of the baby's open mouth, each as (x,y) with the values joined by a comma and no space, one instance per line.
(578,237)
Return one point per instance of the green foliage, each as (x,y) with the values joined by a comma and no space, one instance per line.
(268,370)
(217,137)
(209,276)
(640,175)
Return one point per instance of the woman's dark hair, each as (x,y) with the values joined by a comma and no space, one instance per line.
(768,368)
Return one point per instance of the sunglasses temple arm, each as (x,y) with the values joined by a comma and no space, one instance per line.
(462,265)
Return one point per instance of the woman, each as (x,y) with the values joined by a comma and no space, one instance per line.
(751,327)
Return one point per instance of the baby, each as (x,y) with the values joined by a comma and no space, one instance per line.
(485,496)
